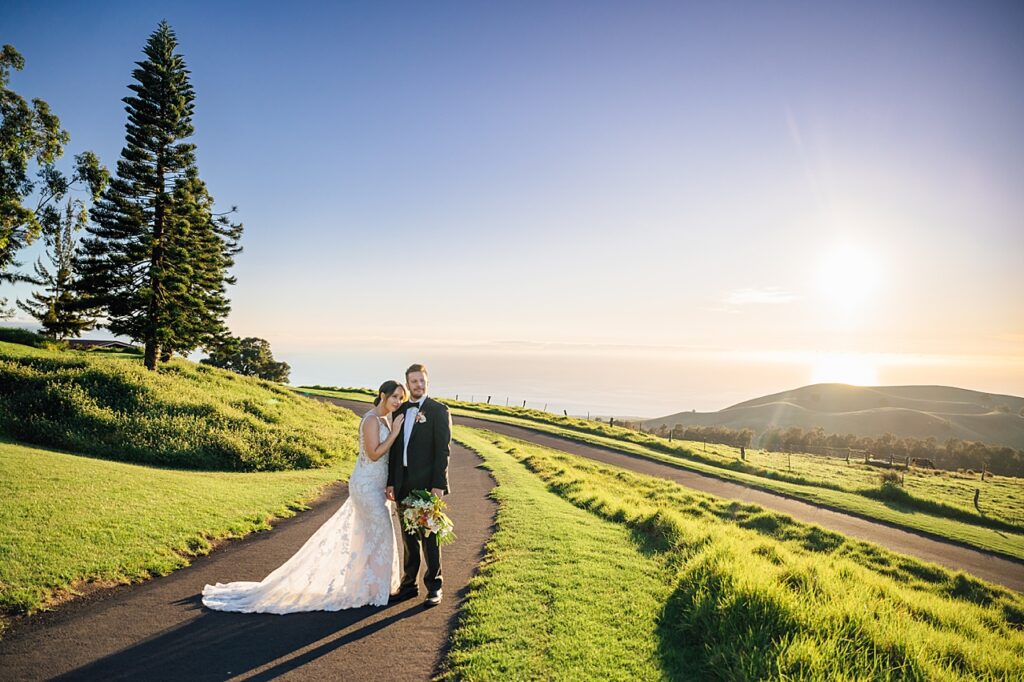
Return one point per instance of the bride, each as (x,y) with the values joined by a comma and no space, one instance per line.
(352,559)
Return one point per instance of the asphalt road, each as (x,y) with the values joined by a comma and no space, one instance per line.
(991,567)
(159,630)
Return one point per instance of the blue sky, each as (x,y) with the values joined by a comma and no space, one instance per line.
(771,180)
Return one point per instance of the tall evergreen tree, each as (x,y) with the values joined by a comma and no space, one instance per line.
(147,261)
(208,242)
(59,307)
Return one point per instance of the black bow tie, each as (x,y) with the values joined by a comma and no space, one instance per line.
(416,405)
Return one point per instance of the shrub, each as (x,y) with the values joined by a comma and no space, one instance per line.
(23,337)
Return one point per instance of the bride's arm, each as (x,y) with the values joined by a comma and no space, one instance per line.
(371,437)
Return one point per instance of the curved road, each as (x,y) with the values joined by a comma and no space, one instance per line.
(159,629)
(991,567)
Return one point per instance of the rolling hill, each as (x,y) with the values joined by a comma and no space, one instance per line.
(906,411)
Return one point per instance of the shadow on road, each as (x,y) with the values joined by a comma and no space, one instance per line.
(218,645)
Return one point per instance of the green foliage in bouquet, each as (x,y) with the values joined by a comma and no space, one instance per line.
(423,512)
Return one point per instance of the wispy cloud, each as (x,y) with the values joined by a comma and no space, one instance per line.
(769,295)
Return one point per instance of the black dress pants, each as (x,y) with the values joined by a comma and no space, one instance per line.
(415,543)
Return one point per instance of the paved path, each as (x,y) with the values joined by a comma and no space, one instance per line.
(991,567)
(159,630)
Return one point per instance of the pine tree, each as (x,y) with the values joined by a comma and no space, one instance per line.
(59,307)
(208,242)
(149,259)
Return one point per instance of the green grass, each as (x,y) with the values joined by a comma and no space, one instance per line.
(184,415)
(751,594)
(560,595)
(935,502)
(67,519)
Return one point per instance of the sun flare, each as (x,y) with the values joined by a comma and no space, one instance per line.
(844,368)
(848,276)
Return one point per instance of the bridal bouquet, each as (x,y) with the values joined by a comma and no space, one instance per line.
(424,511)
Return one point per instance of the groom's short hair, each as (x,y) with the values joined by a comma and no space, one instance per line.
(415,368)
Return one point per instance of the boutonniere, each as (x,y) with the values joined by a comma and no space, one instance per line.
(421,418)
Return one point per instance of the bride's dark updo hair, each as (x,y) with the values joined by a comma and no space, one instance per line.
(387,389)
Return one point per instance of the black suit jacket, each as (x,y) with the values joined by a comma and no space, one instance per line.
(429,449)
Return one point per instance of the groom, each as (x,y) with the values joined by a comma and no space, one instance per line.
(419,461)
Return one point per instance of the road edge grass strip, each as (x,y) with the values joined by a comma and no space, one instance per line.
(1004,543)
(560,593)
(70,523)
(759,595)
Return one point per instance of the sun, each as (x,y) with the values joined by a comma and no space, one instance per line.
(848,277)
(844,368)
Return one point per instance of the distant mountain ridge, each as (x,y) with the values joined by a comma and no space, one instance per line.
(941,412)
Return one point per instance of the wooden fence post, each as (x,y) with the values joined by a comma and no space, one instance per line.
(977,494)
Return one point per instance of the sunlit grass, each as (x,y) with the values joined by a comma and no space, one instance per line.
(560,594)
(184,415)
(757,595)
(66,519)
(936,502)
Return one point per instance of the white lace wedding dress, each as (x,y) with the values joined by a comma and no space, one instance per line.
(351,560)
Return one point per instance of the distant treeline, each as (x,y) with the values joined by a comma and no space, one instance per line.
(951,454)
(709,434)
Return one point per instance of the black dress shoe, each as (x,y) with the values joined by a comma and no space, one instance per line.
(403,594)
(433,598)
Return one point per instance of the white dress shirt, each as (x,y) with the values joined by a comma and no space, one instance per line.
(410,420)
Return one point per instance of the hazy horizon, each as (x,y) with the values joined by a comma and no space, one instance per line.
(614,208)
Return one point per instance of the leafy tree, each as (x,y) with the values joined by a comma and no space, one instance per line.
(250,356)
(157,254)
(31,133)
(59,307)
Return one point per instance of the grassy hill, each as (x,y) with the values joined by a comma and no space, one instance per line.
(69,522)
(183,416)
(941,412)
(613,575)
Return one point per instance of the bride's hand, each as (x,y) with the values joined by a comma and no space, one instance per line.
(398,422)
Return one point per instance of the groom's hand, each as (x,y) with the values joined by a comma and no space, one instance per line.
(389,492)
(437,491)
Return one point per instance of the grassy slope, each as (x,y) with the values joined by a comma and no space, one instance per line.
(939,505)
(185,415)
(68,518)
(751,595)
(561,594)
